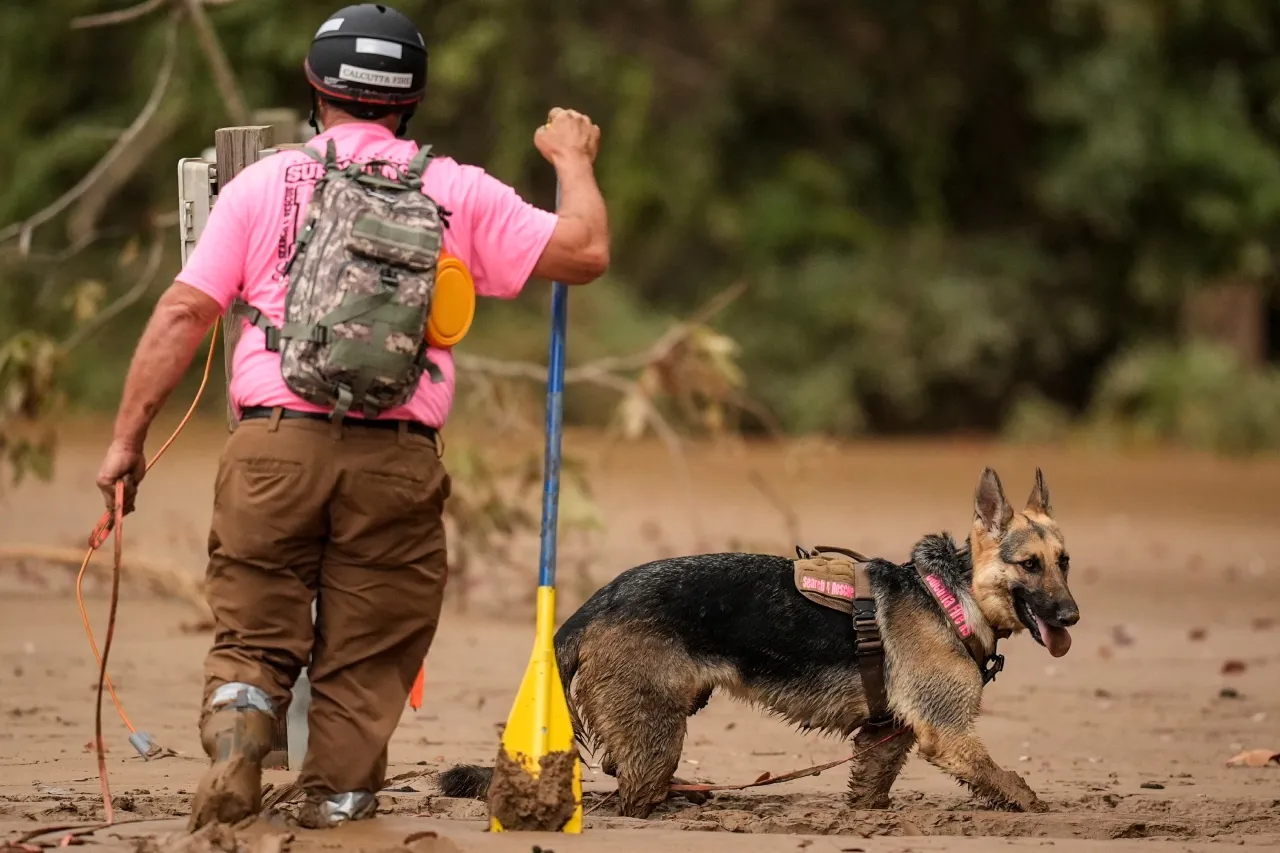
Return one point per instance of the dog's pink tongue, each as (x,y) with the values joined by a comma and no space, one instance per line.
(1056,640)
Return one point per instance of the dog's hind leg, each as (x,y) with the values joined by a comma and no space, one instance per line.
(641,735)
(634,691)
(610,768)
(647,763)
(877,766)
(962,755)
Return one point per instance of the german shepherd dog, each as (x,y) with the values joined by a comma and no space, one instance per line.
(648,649)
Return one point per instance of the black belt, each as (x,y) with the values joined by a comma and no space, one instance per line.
(250,413)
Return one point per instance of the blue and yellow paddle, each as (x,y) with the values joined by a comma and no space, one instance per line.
(539,725)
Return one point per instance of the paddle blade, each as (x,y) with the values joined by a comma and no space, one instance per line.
(538,737)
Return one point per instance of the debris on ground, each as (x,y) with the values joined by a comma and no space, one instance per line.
(1255,758)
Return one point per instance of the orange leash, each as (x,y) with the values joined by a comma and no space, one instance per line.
(118,525)
(113,521)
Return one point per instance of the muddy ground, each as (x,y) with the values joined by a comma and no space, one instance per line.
(1176,567)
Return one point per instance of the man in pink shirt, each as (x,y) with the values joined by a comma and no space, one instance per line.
(348,514)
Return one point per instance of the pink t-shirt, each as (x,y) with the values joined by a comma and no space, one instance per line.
(250,237)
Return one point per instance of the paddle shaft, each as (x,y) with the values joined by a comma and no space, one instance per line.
(555,424)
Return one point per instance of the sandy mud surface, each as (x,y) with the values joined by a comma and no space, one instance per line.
(1175,666)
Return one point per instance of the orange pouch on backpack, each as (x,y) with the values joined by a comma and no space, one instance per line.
(453,305)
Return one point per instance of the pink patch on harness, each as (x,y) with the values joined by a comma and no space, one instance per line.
(822,586)
(954,609)
(842,590)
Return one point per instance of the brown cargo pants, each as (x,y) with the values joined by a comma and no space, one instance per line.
(352,517)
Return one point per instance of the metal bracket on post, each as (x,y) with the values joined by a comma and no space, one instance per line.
(195,200)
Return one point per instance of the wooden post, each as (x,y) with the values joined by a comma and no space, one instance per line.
(237,148)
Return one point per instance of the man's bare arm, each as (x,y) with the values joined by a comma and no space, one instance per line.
(181,318)
(578,252)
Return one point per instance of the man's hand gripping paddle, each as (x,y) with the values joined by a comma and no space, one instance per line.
(537,783)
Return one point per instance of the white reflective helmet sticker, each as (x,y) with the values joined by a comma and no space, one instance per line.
(355,74)
(330,25)
(380,47)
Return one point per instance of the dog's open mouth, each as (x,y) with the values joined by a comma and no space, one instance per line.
(1055,638)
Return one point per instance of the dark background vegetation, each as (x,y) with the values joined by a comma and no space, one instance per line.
(1045,219)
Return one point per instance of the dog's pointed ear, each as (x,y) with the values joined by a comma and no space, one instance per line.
(1039,500)
(990,509)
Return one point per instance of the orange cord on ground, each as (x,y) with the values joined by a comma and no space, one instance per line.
(117,517)
(114,520)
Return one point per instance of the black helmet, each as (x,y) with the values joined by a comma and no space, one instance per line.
(368,54)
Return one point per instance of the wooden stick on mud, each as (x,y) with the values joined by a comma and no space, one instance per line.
(167,581)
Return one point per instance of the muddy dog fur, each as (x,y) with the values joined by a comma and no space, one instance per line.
(735,623)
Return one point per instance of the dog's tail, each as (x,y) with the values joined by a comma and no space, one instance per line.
(471,781)
(466,781)
(568,645)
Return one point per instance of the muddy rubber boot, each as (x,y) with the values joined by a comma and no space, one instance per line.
(325,812)
(237,737)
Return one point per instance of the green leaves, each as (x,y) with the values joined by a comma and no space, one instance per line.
(936,204)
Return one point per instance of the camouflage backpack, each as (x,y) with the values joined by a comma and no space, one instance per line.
(360,288)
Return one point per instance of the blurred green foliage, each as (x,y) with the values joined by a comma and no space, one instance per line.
(951,214)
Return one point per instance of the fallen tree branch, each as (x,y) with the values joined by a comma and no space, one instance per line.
(165,581)
(24,230)
(132,13)
(90,327)
(664,346)
(594,371)
(223,75)
(121,16)
(611,373)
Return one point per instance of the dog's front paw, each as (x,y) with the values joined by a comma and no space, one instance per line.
(867,800)
(874,802)
(1009,794)
(1020,796)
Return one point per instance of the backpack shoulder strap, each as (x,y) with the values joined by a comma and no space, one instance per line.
(418,165)
(330,158)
